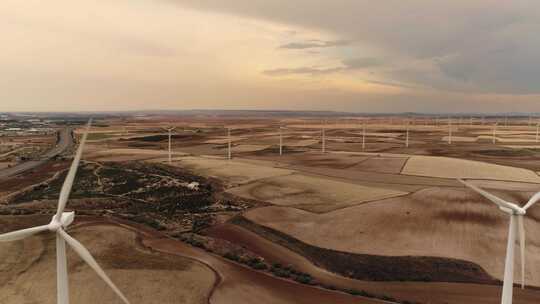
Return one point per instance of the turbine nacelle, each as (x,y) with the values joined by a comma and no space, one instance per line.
(513,209)
(66,218)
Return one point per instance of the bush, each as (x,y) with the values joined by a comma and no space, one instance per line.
(304,279)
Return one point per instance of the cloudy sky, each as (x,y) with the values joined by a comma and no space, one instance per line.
(351,55)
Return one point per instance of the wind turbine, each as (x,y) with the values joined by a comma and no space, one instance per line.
(407,136)
(449,130)
(324,137)
(229,154)
(363,136)
(60,221)
(169,130)
(281,140)
(516,226)
(495,133)
(537,132)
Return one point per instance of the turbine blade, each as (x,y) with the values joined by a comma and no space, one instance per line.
(532,201)
(498,201)
(521,228)
(61,271)
(508,283)
(87,257)
(22,234)
(68,183)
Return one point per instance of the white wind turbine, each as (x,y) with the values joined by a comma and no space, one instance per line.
(281,140)
(363,136)
(538,132)
(495,132)
(449,130)
(324,137)
(516,214)
(229,152)
(60,221)
(169,130)
(407,135)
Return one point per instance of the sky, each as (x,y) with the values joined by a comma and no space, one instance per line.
(343,55)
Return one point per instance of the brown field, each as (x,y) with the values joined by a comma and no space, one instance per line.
(311,193)
(439,293)
(29,271)
(434,222)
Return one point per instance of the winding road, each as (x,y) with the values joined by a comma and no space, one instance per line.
(65,141)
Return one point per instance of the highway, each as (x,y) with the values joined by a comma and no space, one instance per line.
(66,140)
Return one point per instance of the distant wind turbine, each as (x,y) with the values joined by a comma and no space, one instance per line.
(169,130)
(538,132)
(407,136)
(281,140)
(516,214)
(449,130)
(495,133)
(324,138)
(229,152)
(60,221)
(363,136)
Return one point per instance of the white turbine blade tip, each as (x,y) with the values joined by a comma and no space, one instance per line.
(494,199)
(534,199)
(89,259)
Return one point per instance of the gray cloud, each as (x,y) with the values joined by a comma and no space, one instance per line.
(363,62)
(464,33)
(301,71)
(310,44)
(348,65)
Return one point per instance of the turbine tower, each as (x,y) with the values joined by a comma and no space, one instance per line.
(324,137)
(363,136)
(229,154)
(537,132)
(449,130)
(59,223)
(169,130)
(281,140)
(407,136)
(495,133)
(516,214)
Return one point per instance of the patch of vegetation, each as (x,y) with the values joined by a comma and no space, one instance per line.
(507,152)
(377,268)
(279,270)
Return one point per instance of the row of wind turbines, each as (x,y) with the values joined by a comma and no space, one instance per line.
(515,212)
(407,135)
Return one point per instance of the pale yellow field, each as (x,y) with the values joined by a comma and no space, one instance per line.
(508,140)
(311,193)
(460,139)
(379,134)
(438,222)
(248,148)
(230,171)
(457,168)
(523,147)
(29,271)
(299,143)
(224,140)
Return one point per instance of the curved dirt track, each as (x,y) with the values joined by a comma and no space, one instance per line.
(236,283)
